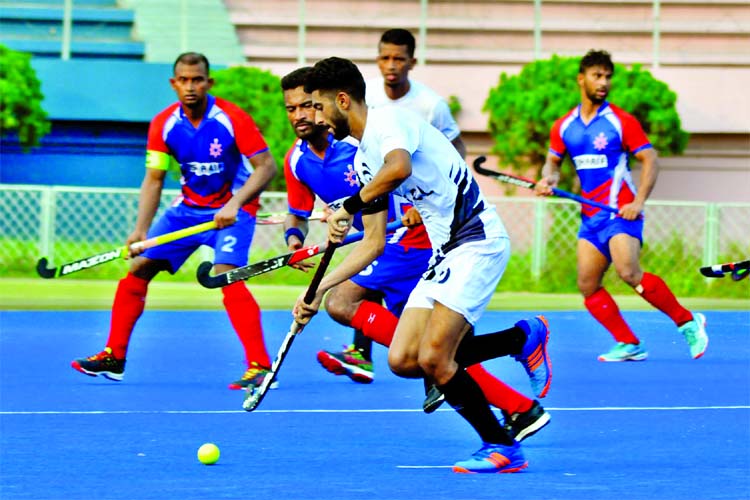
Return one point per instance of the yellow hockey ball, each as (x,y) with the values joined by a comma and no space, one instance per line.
(208,454)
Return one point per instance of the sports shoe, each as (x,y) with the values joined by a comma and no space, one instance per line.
(253,376)
(104,364)
(624,352)
(493,458)
(695,334)
(534,357)
(349,362)
(524,424)
(433,399)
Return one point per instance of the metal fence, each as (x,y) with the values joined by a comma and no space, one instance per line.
(66,223)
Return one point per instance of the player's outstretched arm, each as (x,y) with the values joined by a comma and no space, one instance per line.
(395,170)
(371,246)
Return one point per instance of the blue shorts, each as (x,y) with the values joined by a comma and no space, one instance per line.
(395,274)
(600,236)
(231,244)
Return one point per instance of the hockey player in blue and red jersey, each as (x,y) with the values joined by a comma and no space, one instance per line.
(600,138)
(225,164)
(319,165)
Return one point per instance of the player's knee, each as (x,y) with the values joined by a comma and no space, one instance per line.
(401,363)
(432,363)
(339,309)
(146,269)
(631,276)
(587,287)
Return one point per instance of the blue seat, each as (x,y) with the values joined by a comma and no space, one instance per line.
(99,29)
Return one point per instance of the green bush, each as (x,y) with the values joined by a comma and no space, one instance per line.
(523,107)
(259,93)
(21,98)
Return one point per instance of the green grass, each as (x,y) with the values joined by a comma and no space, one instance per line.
(67,294)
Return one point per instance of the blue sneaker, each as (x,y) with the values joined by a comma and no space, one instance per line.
(624,352)
(494,458)
(695,334)
(534,356)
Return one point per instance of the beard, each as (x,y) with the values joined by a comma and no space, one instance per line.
(596,99)
(313,132)
(341,129)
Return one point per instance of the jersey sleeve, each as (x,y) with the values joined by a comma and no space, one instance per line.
(300,197)
(397,134)
(158,155)
(633,137)
(442,119)
(556,143)
(249,140)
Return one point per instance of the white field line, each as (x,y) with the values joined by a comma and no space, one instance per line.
(221,412)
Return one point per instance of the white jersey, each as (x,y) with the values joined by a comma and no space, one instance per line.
(441,186)
(420,99)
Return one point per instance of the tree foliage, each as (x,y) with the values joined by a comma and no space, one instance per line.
(523,107)
(259,93)
(21,112)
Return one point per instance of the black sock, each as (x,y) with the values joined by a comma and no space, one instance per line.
(363,344)
(478,348)
(466,397)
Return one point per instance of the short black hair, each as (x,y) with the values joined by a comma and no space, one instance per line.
(337,74)
(596,58)
(296,78)
(398,36)
(191,58)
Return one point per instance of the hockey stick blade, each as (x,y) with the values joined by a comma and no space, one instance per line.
(76,265)
(246,272)
(529,184)
(254,397)
(738,270)
(203,274)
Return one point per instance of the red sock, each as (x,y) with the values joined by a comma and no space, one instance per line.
(244,314)
(657,293)
(130,299)
(376,322)
(602,306)
(498,393)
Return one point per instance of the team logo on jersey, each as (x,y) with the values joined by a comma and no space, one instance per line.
(350,176)
(418,193)
(214,149)
(365,173)
(600,142)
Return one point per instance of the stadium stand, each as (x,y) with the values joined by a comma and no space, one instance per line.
(703,46)
(100,29)
(169,27)
(693,33)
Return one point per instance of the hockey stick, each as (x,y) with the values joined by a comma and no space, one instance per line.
(529,184)
(251,270)
(117,253)
(739,270)
(254,396)
(267,218)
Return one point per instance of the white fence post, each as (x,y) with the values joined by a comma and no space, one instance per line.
(539,245)
(47,222)
(711,243)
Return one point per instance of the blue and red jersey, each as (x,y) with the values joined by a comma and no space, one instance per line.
(334,179)
(600,151)
(213,158)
